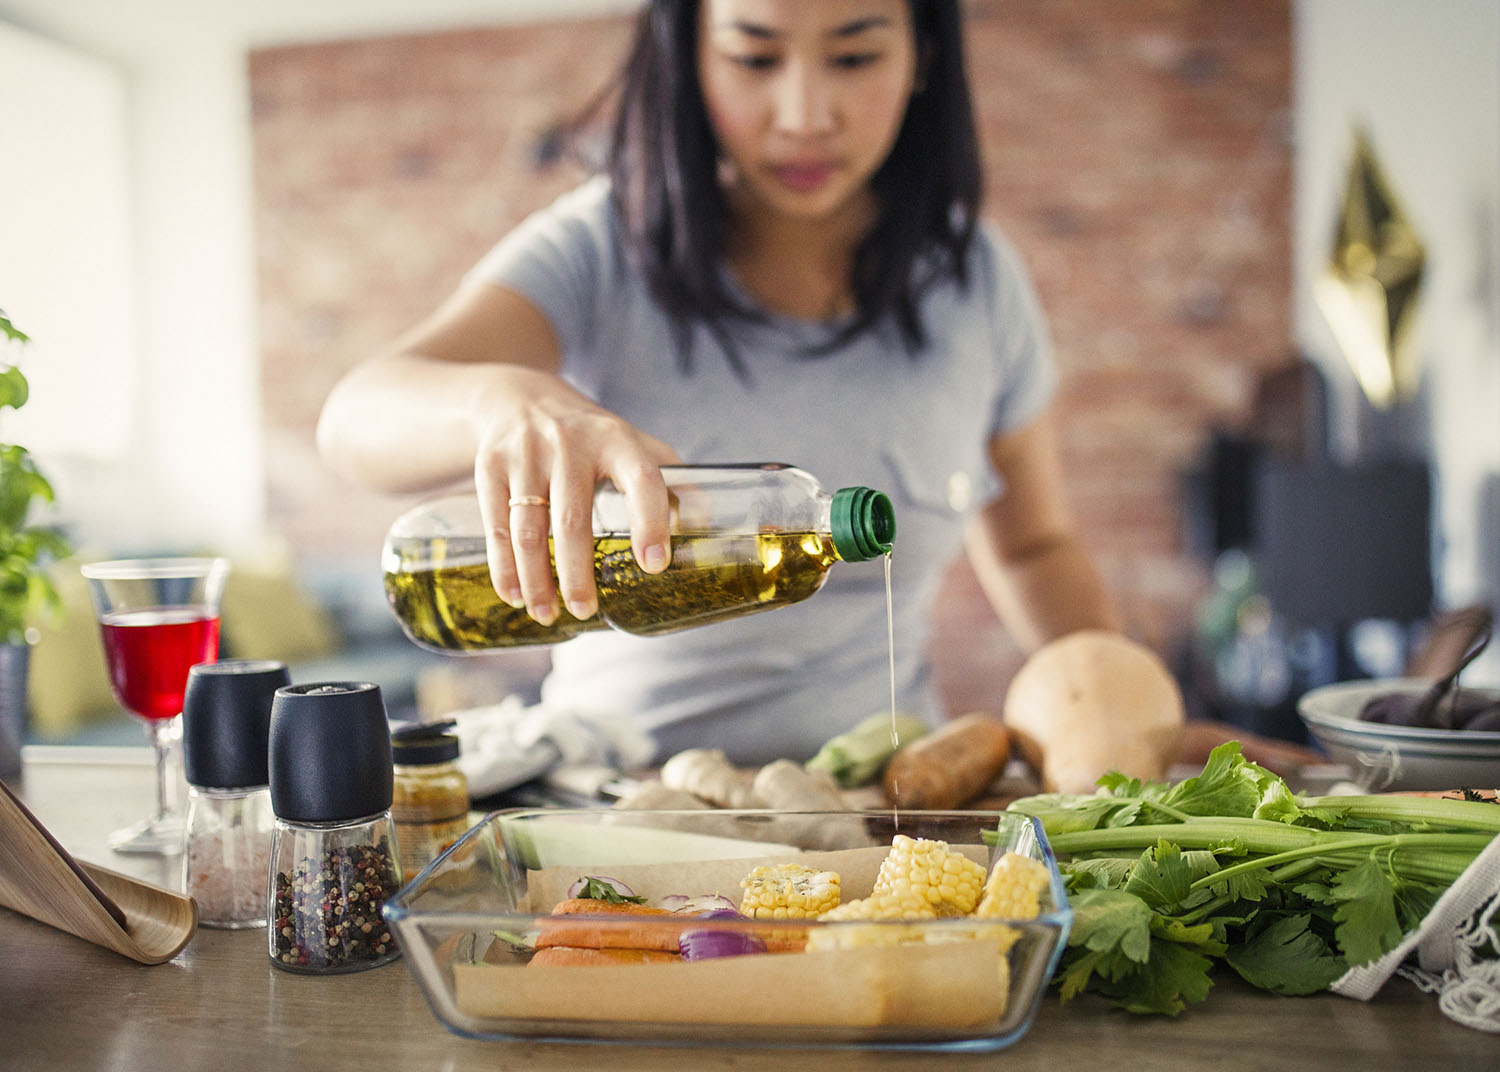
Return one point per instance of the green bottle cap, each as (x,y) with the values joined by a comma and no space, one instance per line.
(864,523)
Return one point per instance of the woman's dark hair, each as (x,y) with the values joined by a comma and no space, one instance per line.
(663,164)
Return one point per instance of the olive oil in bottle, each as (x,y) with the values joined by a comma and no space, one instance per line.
(745,539)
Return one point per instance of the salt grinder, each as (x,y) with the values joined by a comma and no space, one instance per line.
(226,717)
(334,856)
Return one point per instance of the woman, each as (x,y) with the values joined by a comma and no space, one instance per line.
(784,262)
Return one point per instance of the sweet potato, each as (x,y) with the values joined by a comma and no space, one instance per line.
(1093,702)
(949,766)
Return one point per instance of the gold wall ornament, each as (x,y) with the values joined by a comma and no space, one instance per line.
(1369,289)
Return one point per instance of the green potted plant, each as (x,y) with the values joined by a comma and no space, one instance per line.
(26,589)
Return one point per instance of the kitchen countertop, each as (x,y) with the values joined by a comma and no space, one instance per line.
(66,1004)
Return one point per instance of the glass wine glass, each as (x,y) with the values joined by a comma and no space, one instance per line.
(157,618)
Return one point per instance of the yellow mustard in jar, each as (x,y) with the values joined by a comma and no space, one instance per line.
(430,794)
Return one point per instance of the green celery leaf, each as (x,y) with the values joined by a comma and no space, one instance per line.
(1287,958)
(1230,785)
(1065,813)
(1174,978)
(1366,913)
(1118,785)
(1201,936)
(1414,900)
(1111,921)
(1316,892)
(1161,878)
(1103,873)
(1278,803)
(1244,886)
(1127,814)
(1327,818)
(1077,971)
(1247,885)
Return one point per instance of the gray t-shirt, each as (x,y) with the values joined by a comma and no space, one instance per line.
(914,426)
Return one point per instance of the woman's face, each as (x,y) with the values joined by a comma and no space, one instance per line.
(805,97)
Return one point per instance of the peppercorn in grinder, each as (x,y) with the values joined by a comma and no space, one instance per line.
(334,855)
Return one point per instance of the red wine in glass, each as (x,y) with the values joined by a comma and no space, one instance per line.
(158,618)
(149,652)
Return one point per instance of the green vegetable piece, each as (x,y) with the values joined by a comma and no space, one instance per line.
(857,756)
(1230,785)
(1175,978)
(1366,913)
(1161,877)
(1112,922)
(1286,957)
(1166,880)
(595,888)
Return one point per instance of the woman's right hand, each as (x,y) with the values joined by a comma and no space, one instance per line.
(543,448)
(475,390)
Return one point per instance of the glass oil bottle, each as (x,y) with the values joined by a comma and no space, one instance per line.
(745,538)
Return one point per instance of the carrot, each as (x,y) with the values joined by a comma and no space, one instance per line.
(570,955)
(583,921)
(949,766)
(594,906)
(626,927)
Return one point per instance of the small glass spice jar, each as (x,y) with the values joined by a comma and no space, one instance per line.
(226,716)
(430,802)
(334,854)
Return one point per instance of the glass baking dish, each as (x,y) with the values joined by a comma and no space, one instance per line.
(467,920)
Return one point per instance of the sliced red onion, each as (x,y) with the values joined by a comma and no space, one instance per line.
(706,943)
(601,887)
(696,904)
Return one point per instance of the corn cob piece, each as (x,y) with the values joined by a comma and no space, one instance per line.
(928,875)
(821,939)
(1013,891)
(894,932)
(884,934)
(788,891)
(882,906)
(1014,888)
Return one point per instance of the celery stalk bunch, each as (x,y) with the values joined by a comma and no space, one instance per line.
(1171,881)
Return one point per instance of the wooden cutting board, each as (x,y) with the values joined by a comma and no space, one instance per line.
(40,879)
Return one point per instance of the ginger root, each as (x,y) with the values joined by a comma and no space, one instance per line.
(707,774)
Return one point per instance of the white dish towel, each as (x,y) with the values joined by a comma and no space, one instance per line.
(1451,947)
(502,745)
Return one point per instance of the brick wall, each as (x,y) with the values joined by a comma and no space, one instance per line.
(1137,153)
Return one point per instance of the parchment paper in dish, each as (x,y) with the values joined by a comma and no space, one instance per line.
(950,985)
(945,985)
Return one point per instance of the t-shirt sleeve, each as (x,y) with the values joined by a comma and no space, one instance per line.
(1024,344)
(558,259)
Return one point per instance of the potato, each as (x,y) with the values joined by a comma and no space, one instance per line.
(1091,702)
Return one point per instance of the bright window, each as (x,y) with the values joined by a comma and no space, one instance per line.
(66,250)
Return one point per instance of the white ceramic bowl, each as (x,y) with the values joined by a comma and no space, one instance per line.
(1387,757)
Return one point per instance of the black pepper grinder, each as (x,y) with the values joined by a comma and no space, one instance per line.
(334,856)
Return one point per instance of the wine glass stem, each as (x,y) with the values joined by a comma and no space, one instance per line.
(161,743)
